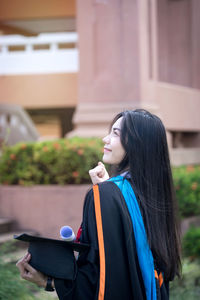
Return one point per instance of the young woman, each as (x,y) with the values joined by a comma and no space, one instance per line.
(138,208)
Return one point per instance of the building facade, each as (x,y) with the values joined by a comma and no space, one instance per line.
(124,54)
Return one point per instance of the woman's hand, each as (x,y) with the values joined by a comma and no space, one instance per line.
(99,173)
(29,273)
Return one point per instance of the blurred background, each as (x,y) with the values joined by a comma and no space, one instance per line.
(72,65)
(39,61)
(67,67)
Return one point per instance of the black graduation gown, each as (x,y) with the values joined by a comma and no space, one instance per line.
(123,275)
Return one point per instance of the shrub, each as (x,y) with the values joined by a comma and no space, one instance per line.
(191,243)
(67,161)
(187,185)
(63,161)
(186,287)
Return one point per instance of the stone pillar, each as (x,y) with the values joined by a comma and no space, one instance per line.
(114,62)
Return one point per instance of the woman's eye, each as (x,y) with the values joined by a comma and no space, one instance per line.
(115,133)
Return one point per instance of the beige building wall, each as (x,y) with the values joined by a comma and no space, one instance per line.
(39,91)
(23,9)
(179,42)
(133,53)
(147,57)
(50,98)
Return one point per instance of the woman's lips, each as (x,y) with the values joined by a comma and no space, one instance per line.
(107,150)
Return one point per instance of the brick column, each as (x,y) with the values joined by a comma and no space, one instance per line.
(114,62)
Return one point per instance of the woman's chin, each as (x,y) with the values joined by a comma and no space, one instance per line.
(106,160)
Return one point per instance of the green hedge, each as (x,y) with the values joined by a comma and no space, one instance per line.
(187,185)
(63,161)
(186,287)
(191,243)
(67,161)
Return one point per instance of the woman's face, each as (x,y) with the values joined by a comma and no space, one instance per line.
(113,150)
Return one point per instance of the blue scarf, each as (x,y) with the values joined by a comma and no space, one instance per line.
(144,254)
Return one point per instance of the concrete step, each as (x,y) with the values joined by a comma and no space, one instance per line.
(5,225)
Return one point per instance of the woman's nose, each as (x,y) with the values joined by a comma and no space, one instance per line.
(106,139)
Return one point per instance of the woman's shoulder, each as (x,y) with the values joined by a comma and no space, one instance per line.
(110,196)
(105,188)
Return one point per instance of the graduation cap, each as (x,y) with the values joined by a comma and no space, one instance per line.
(53,257)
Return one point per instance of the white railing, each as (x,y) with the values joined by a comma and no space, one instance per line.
(16,125)
(30,60)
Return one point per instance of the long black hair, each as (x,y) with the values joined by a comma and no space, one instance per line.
(143,137)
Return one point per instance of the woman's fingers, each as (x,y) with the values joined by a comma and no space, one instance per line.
(29,269)
(102,168)
(20,266)
(105,173)
(23,258)
(27,272)
(99,173)
(96,172)
(24,266)
(28,258)
(34,276)
(20,263)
